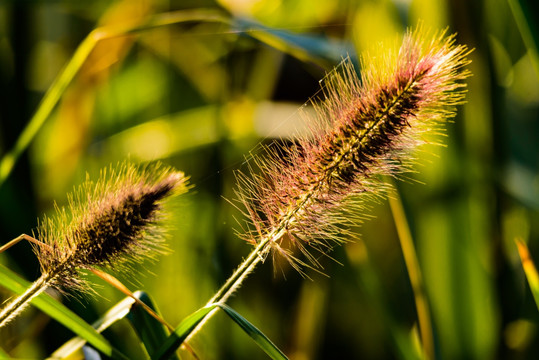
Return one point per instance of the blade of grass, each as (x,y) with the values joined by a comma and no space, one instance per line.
(190,323)
(260,339)
(60,313)
(120,286)
(414,273)
(151,332)
(182,331)
(117,312)
(308,48)
(529,269)
(62,81)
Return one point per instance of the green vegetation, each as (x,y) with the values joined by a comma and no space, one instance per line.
(444,270)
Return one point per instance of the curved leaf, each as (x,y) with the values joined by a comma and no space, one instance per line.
(323,51)
(117,312)
(260,339)
(189,324)
(150,331)
(168,349)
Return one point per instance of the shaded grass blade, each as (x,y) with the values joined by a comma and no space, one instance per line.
(260,339)
(117,312)
(307,48)
(190,323)
(150,331)
(60,313)
(168,349)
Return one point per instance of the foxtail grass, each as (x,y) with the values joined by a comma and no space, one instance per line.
(110,224)
(306,196)
(300,201)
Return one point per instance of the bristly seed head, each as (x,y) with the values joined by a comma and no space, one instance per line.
(364,128)
(108,223)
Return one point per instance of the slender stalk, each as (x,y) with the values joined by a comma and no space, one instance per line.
(18,304)
(414,273)
(236,279)
(19,239)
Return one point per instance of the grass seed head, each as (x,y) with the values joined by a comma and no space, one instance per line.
(108,223)
(365,127)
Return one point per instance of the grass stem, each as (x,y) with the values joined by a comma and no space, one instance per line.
(414,273)
(18,304)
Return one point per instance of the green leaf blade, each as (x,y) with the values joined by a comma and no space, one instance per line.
(150,331)
(114,314)
(167,350)
(190,323)
(60,313)
(260,339)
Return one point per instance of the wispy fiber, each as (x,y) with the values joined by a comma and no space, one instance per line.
(364,128)
(108,223)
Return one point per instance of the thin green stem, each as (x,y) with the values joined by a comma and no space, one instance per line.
(246,267)
(15,307)
(236,279)
(414,273)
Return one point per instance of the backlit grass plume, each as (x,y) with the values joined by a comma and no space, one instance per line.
(364,128)
(109,223)
(308,195)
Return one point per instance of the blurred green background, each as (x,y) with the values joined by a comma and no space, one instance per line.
(203,95)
